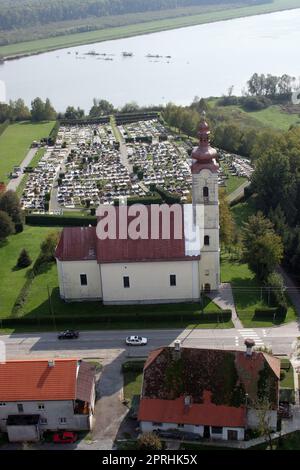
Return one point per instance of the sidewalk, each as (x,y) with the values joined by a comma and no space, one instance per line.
(224,299)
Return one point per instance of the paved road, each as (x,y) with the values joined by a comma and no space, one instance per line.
(109,345)
(14,183)
(237,193)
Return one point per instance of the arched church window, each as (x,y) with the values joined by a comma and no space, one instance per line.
(205,191)
(206,240)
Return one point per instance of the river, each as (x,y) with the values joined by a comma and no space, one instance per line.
(202,61)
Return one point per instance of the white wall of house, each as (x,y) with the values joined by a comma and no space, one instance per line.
(148,426)
(150,282)
(53,412)
(253,418)
(23,433)
(70,284)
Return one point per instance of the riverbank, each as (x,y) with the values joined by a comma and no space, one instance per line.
(28,48)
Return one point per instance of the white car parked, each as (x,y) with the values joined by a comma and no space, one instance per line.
(136,341)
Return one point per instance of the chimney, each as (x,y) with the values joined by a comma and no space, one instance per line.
(187,400)
(51,363)
(249,343)
(177,349)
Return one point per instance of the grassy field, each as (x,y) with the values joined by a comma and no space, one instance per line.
(15,143)
(42,45)
(287,380)
(248,294)
(12,280)
(276,117)
(132,384)
(242,211)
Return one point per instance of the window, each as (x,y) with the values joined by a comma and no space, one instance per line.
(156,424)
(20,408)
(205,192)
(62,420)
(41,406)
(216,430)
(206,240)
(126,282)
(44,421)
(2,404)
(206,272)
(180,425)
(172,279)
(83,279)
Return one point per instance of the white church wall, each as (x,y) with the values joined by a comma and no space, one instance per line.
(70,284)
(150,282)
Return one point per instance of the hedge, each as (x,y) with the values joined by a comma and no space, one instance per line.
(269,312)
(48,220)
(221,317)
(154,198)
(168,197)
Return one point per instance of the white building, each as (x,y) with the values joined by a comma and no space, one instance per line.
(211,393)
(45,395)
(159,268)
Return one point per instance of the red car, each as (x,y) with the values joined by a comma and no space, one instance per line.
(64,437)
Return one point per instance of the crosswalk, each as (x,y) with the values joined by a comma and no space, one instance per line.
(250,333)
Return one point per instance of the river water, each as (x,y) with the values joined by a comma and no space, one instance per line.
(202,60)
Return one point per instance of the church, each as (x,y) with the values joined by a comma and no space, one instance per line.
(152,267)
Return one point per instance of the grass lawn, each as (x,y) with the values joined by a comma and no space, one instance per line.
(233,182)
(142,26)
(273,116)
(248,294)
(37,303)
(242,211)
(287,380)
(15,143)
(12,280)
(132,384)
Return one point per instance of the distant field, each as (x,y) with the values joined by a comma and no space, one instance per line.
(143,26)
(15,143)
(273,116)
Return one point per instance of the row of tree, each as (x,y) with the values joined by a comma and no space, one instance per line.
(11,217)
(25,13)
(18,111)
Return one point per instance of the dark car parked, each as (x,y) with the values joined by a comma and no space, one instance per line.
(68,334)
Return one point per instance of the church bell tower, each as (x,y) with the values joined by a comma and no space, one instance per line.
(206,207)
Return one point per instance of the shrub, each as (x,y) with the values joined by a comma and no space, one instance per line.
(133,366)
(24,259)
(19,227)
(6,225)
(149,441)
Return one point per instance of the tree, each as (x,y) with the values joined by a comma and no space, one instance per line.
(48,246)
(41,111)
(263,409)
(37,110)
(227,225)
(6,225)
(24,259)
(49,111)
(263,248)
(101,108)
(130,107)
(149,441)
(10,203)
(72,113)
(274,184)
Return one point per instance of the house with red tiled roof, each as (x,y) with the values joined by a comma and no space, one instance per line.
(153,254)
(213,393)
(41,395)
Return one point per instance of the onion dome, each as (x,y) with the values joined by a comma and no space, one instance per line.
(204,156)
